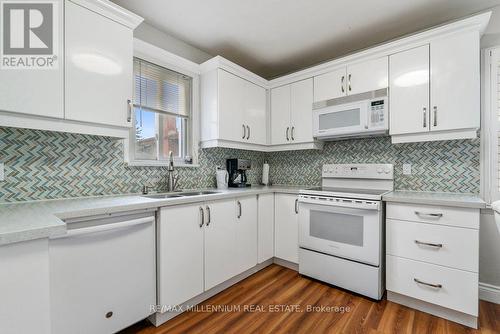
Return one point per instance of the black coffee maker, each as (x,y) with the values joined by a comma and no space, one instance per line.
(236,169)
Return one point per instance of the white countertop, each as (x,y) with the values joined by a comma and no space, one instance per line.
(435,198)
(24,221)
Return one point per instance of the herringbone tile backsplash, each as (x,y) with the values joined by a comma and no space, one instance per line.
(48,165)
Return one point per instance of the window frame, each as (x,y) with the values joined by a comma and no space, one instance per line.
(163,58)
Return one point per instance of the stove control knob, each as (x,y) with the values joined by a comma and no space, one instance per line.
(387,170)
(379,170)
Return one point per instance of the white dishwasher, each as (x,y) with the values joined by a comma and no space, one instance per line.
(103,273)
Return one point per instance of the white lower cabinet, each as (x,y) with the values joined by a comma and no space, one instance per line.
(266,227)
(246,233)
(180,253)
(286,227)
(103,274)
(203,245)
(24,288)
(220,242)
(432,259)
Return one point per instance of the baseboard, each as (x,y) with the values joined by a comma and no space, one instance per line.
(489,293)
(286,264)
(442,312)
(159,318)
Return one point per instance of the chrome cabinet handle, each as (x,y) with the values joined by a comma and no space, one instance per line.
(248,135)
(244,131)
(349,81)
(202,213)
(297,205)
(437,286)
(425,117)
(293,131)
(129,110)
(287,130)
(239,209)
(342,83)
(430,244)
(208,213)
(435,115)
(432,215)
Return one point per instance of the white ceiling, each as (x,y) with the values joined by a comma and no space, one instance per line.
(274,37)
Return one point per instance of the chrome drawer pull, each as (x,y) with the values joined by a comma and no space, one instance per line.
(430,244)
(432,215)
(437,286)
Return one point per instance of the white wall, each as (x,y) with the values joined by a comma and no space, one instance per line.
(150,34)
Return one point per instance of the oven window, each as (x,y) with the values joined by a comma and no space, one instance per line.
(337,227)
(340,119)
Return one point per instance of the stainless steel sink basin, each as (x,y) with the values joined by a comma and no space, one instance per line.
(163,196)
(198,193)
(186,194)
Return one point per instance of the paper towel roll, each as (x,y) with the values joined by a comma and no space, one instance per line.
(265,174)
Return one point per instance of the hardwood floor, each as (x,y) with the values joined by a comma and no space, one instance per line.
(282,300)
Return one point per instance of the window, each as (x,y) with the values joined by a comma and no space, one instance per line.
(162,114)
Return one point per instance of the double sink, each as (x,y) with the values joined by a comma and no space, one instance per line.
(181,194)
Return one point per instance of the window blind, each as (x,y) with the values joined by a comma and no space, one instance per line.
(161,90)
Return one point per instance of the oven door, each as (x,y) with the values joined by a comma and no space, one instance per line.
(340,120)
(347,232)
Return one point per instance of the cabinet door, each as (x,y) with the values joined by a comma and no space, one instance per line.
(37,92)
(455,82)
(180,254)
(255,113)
(286,228)
(231,99)
(24,273)
(265,227)
(330,85)
(98,68)
(246,233)
(280,115)
(220,242)
(301,111)
(409,91)
(367,76)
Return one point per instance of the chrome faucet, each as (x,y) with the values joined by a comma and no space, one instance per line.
(172,179)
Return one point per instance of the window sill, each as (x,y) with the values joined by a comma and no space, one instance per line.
(145,163)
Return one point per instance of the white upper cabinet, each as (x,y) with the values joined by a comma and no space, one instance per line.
(254,115)
(98,78)
(435,90)
(330,85)
(231,97)
(367,75)
(455,82)
(409,91)
(36,92)
(280,115)
(291,113)
(357,78)
(301,97)
(233,111)
(88,91)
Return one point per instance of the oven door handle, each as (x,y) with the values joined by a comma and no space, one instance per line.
(342,203)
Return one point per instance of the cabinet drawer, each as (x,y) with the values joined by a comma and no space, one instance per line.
(459,246)
(458,289)
(441,215)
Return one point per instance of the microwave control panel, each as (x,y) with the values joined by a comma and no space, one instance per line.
(378,114)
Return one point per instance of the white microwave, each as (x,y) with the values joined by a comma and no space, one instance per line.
(352,116)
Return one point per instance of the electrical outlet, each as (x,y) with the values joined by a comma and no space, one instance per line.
(406,169)
(2,174)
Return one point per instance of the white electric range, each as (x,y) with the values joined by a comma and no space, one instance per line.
(341,227)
